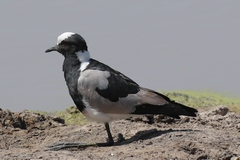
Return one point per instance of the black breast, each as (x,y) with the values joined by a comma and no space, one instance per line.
(71,71)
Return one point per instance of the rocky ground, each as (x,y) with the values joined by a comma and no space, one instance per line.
(214,134)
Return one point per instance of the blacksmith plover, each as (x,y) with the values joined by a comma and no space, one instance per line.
(103,94)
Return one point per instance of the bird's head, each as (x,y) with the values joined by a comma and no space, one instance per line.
(69,43)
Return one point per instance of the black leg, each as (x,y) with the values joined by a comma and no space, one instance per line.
(110,141)
(63,145)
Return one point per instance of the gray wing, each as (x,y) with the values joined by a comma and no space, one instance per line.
(109,91)
(112,84)
(114,94)
(119,86)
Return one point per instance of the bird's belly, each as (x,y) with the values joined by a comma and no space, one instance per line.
(94,115)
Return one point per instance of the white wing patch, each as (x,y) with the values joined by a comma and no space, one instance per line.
(64,36)
(92,79)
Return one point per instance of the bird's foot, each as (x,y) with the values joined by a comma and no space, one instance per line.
(108,143)
(64,145)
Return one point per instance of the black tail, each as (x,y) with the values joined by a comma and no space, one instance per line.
(172,109)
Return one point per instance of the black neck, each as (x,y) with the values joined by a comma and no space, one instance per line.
(71,71)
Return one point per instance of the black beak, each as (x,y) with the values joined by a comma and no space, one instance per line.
(55,48)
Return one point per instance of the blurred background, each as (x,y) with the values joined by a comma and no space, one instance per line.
(162,45)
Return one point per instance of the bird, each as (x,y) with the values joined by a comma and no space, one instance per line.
(104,94)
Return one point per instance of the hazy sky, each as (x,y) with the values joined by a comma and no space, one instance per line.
(162,45)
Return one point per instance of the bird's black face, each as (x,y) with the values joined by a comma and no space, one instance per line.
(64,49)
(68,44)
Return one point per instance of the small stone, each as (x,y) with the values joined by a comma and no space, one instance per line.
(149,143)
(184,120)
(120,138)
(202,157)
(238,126)
(219,110)
(58,119)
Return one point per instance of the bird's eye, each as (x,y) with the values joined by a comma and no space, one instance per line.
(63,43)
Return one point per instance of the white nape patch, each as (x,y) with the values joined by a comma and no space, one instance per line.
(64,36)
(83,57)
(94,115)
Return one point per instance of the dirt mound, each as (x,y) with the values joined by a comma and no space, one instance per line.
(12,121)
(213,134)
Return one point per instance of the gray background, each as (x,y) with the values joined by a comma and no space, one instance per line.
(162,45)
